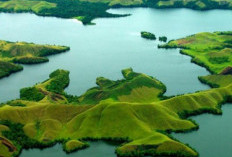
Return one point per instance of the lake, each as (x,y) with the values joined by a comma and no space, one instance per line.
(110,46)
(97,149)
(213,139)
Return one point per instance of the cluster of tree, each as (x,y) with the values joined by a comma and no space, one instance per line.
(17,135)
(75,8)
(150,150)
(6,68)
(163,39)
(186,113)
(31,94)
(209,4)
(59,81)
(30,60)
(219,60)
(148,35)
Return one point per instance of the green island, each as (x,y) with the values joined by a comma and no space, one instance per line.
(148,35)
(14,53)
(132,111)
(87,10)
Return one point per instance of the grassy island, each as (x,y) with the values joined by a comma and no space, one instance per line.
(210,50)
(24,53)
(45,115)
(148,35)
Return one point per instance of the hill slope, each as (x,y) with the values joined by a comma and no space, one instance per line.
(24,53)
(45,114)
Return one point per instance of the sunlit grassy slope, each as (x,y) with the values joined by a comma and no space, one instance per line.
(135,87)
(45,114)
(26,5)
(211,50)
(24,53)
(217,80)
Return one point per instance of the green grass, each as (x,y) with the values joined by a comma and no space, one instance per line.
(26,5)
(142,124)
(217,80)
(24,53)
(135,87)
(73,145)
(211,50)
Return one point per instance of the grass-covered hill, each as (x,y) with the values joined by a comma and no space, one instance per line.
(135,87)
(210,50)
(87,10)
(45,114)
(24,53)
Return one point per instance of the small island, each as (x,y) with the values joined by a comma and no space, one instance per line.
(114,110)
(14,53)
(148,35)
(163,39)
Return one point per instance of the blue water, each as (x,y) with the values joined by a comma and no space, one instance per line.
(214,138)
(111,45)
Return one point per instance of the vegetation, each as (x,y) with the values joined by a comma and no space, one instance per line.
(74,145)
(193,4)
(87,10)
(84,11)
(31,93)
(148,35)
(24,53)
(163,39)
(30,60)
(211,50)
(134,87)
(216,81)
(6,68)
(59,80)
(143,124)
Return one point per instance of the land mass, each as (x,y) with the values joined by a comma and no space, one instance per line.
(210,50)
(45,115)
(87,10)
(148,35)
(14,53)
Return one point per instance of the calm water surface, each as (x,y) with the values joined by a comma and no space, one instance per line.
(97,149)
(110,46)
(214,138)
(114,44)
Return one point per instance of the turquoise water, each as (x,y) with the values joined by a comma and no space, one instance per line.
(108,47)
(214,138)
(97,149)
(111,45)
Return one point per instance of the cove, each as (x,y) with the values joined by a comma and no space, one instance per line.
(111,45)
(214,135)
(96,149)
